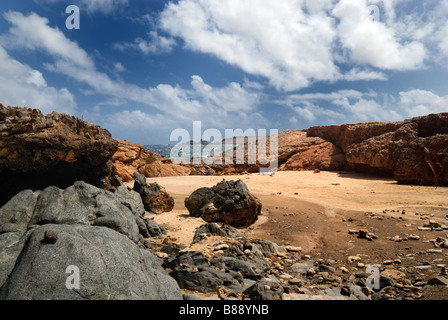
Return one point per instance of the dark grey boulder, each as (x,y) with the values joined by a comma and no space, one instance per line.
(111,267)
(44,232)
(229,202)
(131,199)
(14,220)
(205,280)
(190,258)
(214,229)
(247,269)
(264,289)
(192,271)
(155,198)
(84,204)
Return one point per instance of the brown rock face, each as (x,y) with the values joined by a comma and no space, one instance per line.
(37,151)
(421,160)
(416,153)
(296,151)
(133,157)
(347,134)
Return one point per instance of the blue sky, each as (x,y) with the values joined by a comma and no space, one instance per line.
(144,68)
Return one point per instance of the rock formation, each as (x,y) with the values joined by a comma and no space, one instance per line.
(229,202)
(416,153)
(154,197)
(96,231)
(133,157)
(37,151)
(296,151)
(347,134)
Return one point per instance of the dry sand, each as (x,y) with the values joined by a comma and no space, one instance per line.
(315,210)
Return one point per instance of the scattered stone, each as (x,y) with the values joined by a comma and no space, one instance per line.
(222,246)
(264,289)
(293,248)
(296,281)
(303,266)
(51,236)
(432,224)
(396,238)
(325,268)
(214,229)
(425,267)
(354,258)
(434,251)
(394,274)
(365,234)
(440,280)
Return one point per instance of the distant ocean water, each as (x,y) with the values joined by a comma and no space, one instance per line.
(162,149)
(165,149)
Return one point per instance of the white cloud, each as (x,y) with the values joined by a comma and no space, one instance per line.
(104,6)
(351,106)
(119,67)
(296,43)
(156,45)
(375,43)
(415,103)
(357,74)
(273,39)
(23,86)
(173,102)
(33,32)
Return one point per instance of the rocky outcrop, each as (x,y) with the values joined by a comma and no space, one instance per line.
(37,151)
(296,151)
(92,229)
(154,197)
(345,135)
(229,202)
(133,157)
(416,153)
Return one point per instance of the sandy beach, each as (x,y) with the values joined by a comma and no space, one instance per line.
(314,210)
(319,211)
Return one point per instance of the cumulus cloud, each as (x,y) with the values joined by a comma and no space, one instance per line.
(33,32)
(352,106)
(372,42)
(201,100)
(279,40)
(24,86)
(156,44)
(296,43)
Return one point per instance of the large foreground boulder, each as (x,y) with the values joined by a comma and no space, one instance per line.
(37,151)
(111,267)
(229,202)
(42,233)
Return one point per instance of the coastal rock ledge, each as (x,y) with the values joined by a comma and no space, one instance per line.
(37,151)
